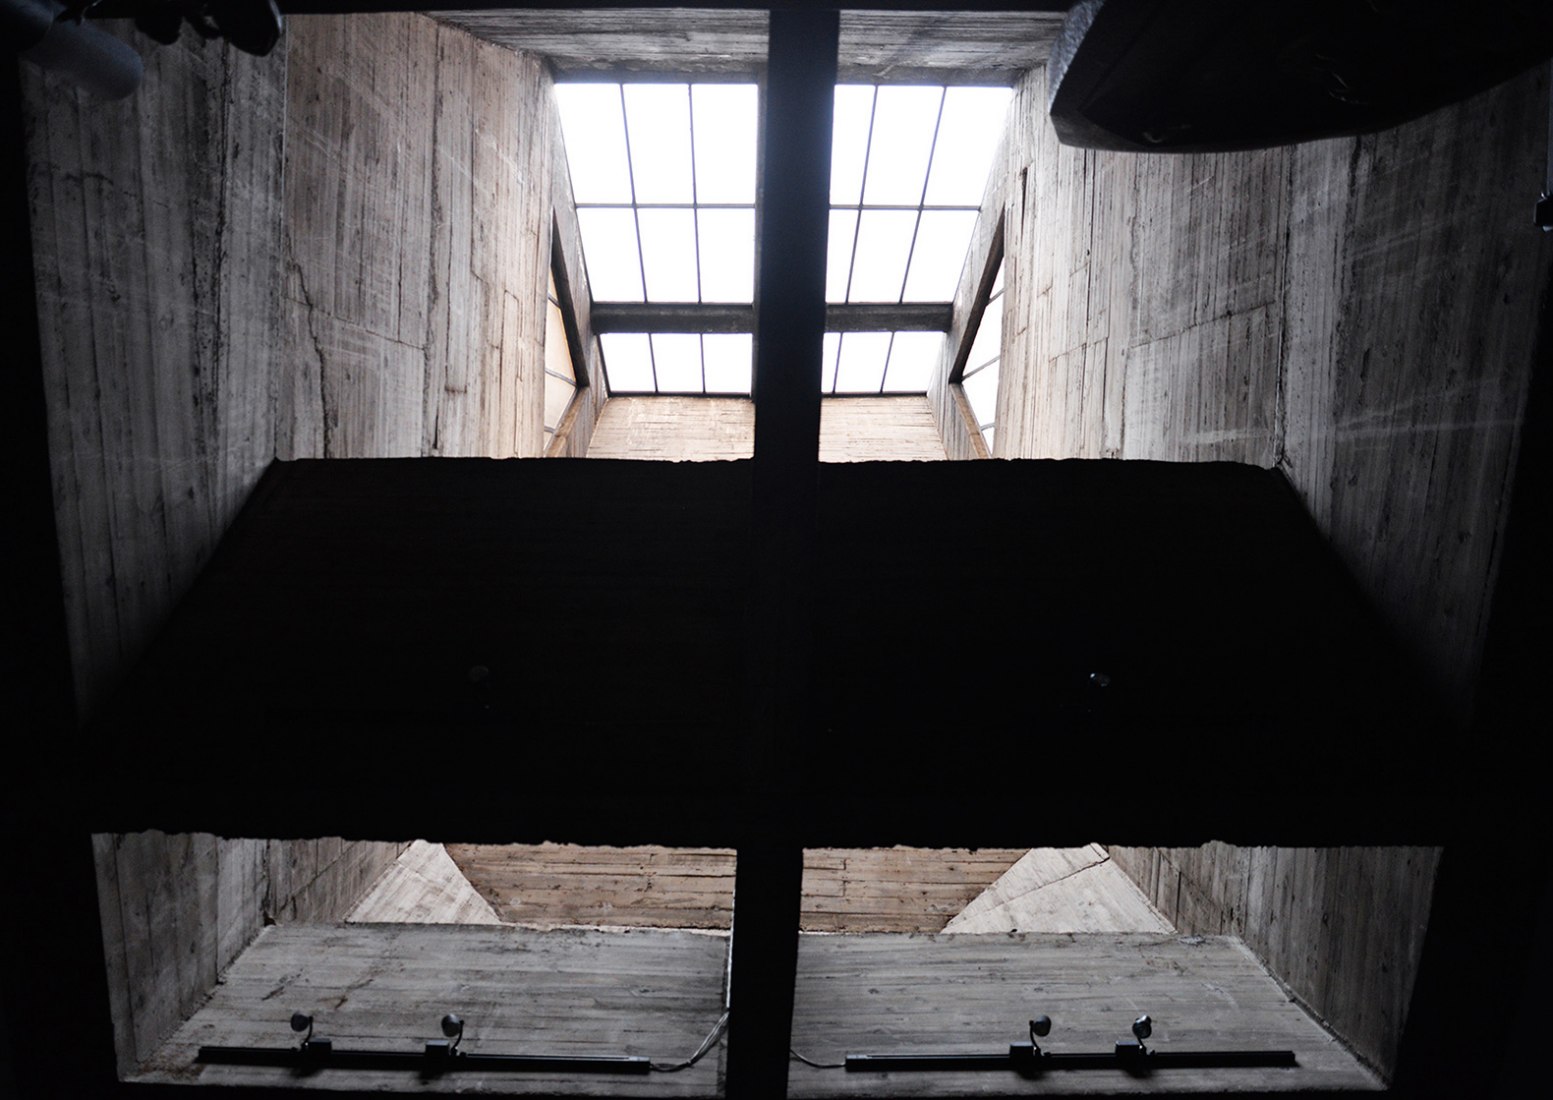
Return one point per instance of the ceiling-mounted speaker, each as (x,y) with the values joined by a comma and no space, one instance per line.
(1211,75)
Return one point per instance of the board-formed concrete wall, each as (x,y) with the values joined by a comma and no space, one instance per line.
(418,190)
(156,229)
(338,250)
(1360,313)
(1342,927)
(178,909)
(371,202)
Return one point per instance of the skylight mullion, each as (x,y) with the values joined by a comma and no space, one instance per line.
(636,216)
(695,222)
(932,148)
(868,146)
(972,371)
(925,207)
(911,249)
(888,352)
(715,206)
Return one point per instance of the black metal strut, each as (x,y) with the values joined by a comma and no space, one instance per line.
(439,1056)
(1023,1058)
(1129,1055)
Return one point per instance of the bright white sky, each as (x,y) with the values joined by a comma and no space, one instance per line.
(664,179)
(980,381)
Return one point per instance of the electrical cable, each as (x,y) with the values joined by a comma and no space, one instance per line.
(706,1044)
(816,1065)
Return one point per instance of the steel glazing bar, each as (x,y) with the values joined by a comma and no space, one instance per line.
(116,8)
(889,317)
(973,316)
(310,1058)
(608,317)
(1023,1058)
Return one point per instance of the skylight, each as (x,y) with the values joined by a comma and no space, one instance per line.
(908,168)
(980,380)
(664,179)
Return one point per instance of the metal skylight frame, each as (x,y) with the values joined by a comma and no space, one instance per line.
(917,208)
(642,328)
(649,341)
(848,351)
(983,362)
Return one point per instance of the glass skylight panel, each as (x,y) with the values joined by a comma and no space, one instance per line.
(900,145)
(628,361)
(981,390)
(726,239)
(879,362)
(595,133)
(838,245)
(980,380)
(560,374)
(610,251)
(937,256)
(679,362)
(658,129)
(913,355)
(913,162)
(861,362)
(828,354)
(676,358)
(988,343)
(664,180)
(884,245)
(852,115)
(669,254)
(729,362)
(724,126)
(968,133)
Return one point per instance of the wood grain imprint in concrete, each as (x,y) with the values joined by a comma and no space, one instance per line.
(657,993)
(885,994)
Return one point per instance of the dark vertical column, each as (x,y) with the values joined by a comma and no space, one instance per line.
(36,645)
(789,332)
(49,949)
(1488,993)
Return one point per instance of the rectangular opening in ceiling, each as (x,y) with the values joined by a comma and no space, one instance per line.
(1225,949)
(550,949)
(615,957)
(664,177)
(609,953)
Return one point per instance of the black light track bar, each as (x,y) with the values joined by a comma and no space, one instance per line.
(607,317)
(1026,1059)
(315,1056)
(346,7)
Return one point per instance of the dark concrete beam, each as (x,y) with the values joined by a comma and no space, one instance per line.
(719,317)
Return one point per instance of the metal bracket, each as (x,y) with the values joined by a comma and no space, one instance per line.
(439,1056)
(1028,1059)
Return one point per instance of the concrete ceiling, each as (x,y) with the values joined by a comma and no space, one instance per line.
(882,47)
